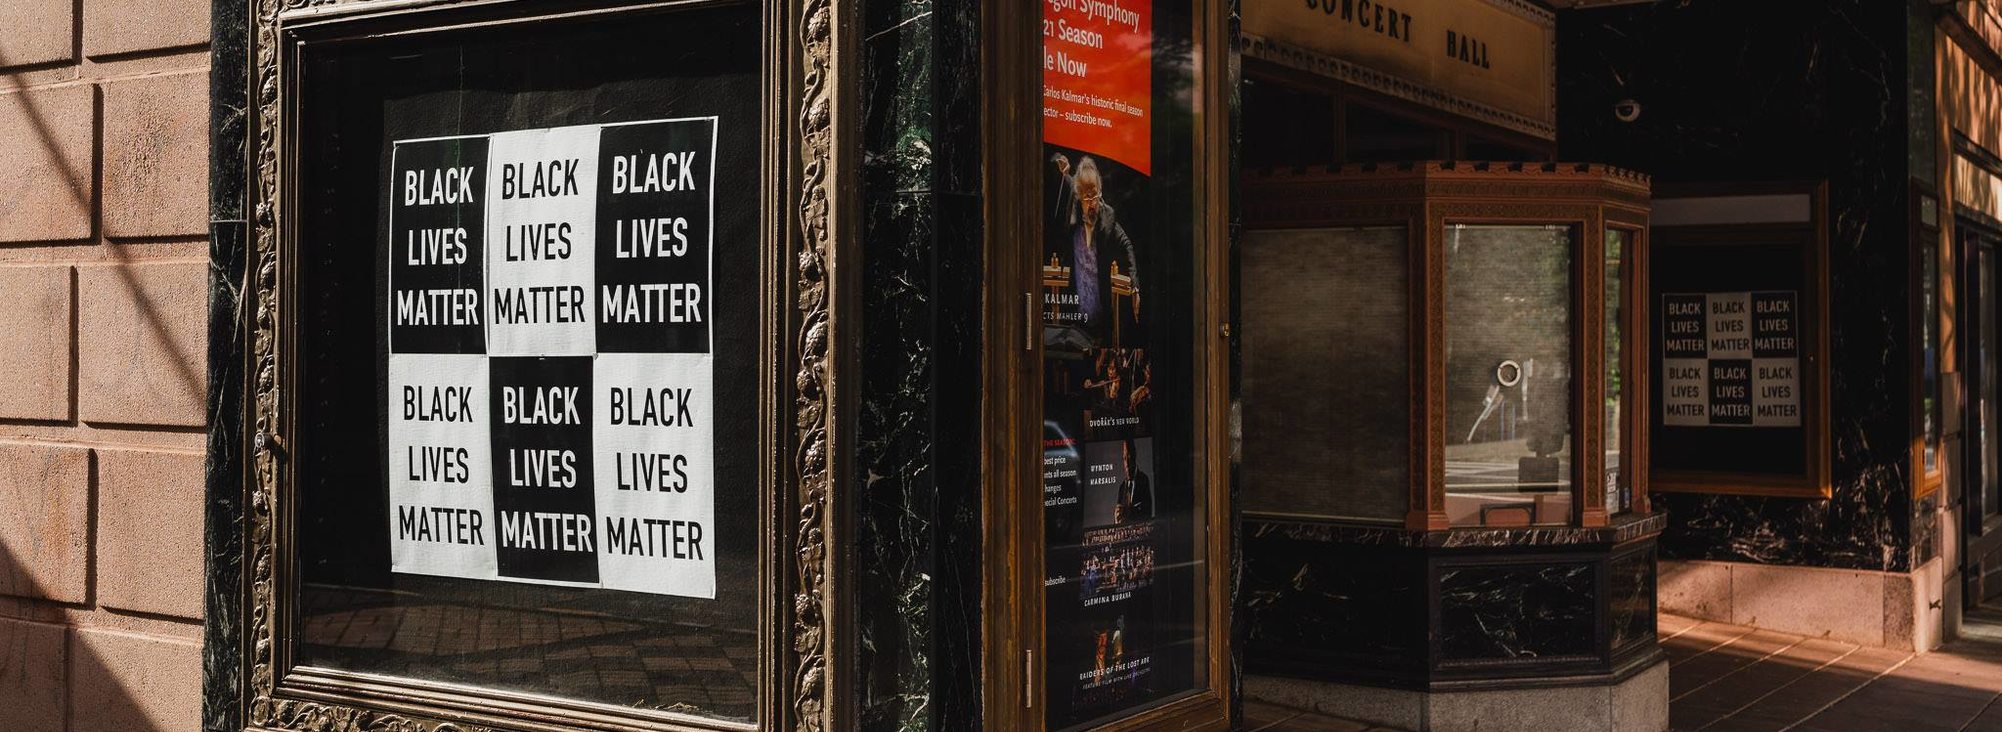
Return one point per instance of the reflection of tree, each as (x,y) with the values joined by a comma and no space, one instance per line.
(1508,291)
(1615,256)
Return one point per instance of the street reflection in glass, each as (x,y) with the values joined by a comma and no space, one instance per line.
(1508,375)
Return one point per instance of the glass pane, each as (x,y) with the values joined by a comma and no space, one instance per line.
(1125,532)
(1508,375)
(1326,372)
(1991,483)
(519,295)
(1619,497)
(1929,366)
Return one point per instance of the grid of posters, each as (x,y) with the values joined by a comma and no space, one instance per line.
(1730,359)
(550,369)
(1119,579)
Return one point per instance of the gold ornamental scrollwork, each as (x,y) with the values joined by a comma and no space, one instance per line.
(813,408)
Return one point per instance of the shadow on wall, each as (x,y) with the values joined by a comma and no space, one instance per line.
(63,667)
(65,662)
(177,375)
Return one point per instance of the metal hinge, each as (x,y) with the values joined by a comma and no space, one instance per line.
(1029,679)
(1029,321)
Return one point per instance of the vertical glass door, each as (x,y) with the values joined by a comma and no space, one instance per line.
(1127,591)
(1983,485)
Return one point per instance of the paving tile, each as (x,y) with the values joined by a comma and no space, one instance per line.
(1700,670)
(1258,712)
(33,659)
(1732,692)
(38,32)
(121,682)
(47,138)
(1990,719)
(1909,704)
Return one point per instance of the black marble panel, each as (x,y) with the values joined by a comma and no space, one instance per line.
(917,534)
(1310,605)
(1516,611)
(1624,528)
(1630,598)
(222,623)
(1775,91)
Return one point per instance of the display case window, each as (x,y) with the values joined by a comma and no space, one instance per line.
(526,311)
(1327,356)
(1619,492)
(1127,540)
(1509,367)
(1740,347)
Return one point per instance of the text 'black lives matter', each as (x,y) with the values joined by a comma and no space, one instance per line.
(437,234)
(654,235)
(543,496)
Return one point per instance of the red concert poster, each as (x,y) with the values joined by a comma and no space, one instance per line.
(1098,66)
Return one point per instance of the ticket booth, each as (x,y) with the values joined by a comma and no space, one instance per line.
(1445,379)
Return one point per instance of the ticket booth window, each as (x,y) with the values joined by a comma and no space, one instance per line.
(1509,369)
(1619,451)
(1328,327)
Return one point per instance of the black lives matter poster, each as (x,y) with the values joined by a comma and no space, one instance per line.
(1122,573)
(550,369)
(1730,359)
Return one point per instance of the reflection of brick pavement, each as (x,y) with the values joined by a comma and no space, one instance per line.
(546,648)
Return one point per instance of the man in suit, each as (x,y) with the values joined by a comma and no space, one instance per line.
(1136,495)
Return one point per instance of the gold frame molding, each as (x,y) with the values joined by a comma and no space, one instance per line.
(808,230)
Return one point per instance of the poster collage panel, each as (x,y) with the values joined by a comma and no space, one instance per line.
(550,362)
(1119,553)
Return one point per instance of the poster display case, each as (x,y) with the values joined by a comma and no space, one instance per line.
(1110,584)
(537,436)
(1742,350)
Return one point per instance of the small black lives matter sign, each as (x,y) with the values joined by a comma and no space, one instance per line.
(1730,359)
(550,367)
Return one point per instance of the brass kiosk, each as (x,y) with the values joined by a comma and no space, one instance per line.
(1441,398)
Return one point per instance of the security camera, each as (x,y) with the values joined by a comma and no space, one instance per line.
(1627,110)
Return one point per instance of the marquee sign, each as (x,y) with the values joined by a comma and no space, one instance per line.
(1491,60)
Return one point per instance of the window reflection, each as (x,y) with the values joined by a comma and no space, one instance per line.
(1929,369)
(1508,375)
(1618,497)
(1327,372)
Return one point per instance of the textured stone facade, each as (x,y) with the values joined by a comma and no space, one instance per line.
(103,261)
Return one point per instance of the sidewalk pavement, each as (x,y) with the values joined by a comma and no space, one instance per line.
(1728,678)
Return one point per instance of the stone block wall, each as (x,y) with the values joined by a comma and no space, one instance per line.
(103,274)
